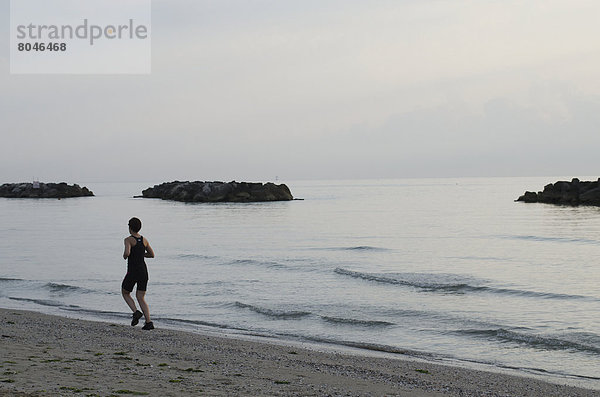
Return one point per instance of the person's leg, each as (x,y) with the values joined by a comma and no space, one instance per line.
(140,295)
(130,302)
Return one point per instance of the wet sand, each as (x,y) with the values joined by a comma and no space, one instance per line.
(42,355)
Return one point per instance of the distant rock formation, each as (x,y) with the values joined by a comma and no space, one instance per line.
(566,193)
(212,192)
(43,190)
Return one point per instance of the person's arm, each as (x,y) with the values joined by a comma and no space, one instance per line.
(149,252)
(127,248)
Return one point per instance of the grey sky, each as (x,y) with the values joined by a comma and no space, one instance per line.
(250,90)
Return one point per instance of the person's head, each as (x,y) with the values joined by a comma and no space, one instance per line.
(135,225)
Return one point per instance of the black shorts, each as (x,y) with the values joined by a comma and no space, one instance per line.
(132,279)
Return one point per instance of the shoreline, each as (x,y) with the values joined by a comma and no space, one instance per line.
(46,355)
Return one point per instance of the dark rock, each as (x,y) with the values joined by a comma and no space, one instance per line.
(43,190)
(571,193)
(212,192)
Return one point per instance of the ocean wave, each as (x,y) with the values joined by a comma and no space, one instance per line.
(101,313)
(198,322)
(369,346)
(358,322)
(220,261)
(425,355)
(450,283)
(274,313)
(535,294)
(550,239)
(354,248)
(193,256)
(253,262)
(42,302)
(56,288)
(64,288)
(440,282)
(580,342)
(479,258)
(364,248)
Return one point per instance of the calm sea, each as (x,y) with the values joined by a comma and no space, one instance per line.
(442,269)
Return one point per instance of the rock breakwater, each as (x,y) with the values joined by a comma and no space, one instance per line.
(212,192)
(572,193)
(43,190)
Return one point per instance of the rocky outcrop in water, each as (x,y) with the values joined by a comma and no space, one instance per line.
(212,192)
(43,190)
(566,193)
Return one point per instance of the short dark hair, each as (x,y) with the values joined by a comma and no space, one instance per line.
(135,224)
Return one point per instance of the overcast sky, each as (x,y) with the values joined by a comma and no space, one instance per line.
(300,89)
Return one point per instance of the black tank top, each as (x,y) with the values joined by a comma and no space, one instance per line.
(135,260)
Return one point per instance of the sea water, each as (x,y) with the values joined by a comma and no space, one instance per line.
(442,269)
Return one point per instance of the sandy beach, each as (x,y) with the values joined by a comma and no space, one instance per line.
(45,355)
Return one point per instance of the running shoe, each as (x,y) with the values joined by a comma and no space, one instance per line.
(148,326)
(136,318)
